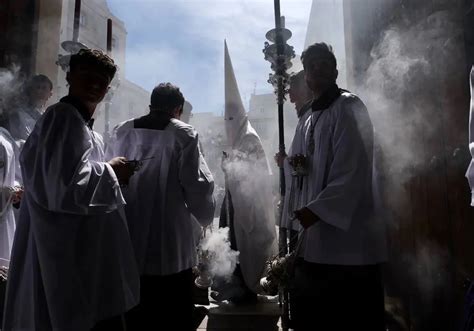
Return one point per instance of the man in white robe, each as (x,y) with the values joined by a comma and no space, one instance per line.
(10,194)
(10,190)
(21,120)
(337,283)
(72,265)
(248,208)
(301,96)
(168,194)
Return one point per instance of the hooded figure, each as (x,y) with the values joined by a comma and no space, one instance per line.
(247,208)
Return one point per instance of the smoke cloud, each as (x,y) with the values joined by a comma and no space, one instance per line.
(11,82)
(402,87)
(222,259)
(415,70)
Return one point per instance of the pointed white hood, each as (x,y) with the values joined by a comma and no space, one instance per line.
(235,116)
(249,183)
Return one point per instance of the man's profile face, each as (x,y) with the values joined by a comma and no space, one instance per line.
(320,73)
(39,93)
(87,84)
(298,93)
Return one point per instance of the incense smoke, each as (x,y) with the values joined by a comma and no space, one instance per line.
(222,259)
(402,87)
(10,88)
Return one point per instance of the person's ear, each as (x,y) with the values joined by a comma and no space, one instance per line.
(336,74)
(177,112)
(68,77)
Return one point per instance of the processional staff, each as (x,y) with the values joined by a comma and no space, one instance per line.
(279,55)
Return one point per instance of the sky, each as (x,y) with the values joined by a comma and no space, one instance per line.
(182,41)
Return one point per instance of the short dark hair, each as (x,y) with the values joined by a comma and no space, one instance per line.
(95,58)
(37,79)
(166,97)
(321,50)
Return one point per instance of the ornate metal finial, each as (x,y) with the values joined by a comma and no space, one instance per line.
(279,54)
(71,47)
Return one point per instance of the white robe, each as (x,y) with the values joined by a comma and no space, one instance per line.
(166,196)
(249,182)
(470,169)
(22,121)
(72,260)
(295,198)
(340,189)
(9,174)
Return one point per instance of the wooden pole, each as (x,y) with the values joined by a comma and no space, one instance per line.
(77,20)
(107,104)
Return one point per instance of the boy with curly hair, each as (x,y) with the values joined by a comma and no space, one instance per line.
(72,265)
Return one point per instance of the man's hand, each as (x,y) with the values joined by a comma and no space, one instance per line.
(224,161)
(280,158)
(306,217)
(17,194)
(122,170)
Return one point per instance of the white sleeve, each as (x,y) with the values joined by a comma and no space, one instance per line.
(5,192)
(58,174)
(197,182)
(111,146)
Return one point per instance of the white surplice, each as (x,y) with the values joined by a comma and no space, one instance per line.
(340,187)
(22,121)
(72,260)
(470,169)
(9,175)
(295,196)
(165,198)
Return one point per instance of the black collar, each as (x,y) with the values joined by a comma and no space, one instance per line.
(155,120)
(327,98)
(81,108)
(304,109)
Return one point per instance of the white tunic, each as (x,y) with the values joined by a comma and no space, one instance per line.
(250,185)
(72,261)
(340,189)
(295,196)
(9,173)
(22,121)
(470,170)
(166,196)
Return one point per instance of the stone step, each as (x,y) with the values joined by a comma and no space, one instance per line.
(262,316)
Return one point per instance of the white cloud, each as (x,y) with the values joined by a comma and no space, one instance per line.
(182,41)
